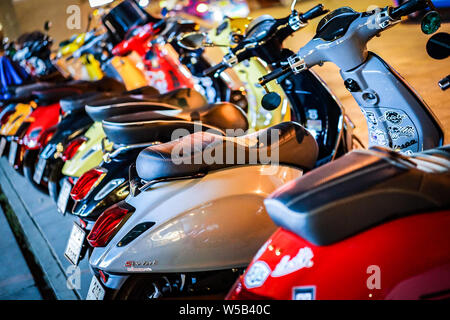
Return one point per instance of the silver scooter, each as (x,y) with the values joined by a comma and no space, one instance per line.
(191,228)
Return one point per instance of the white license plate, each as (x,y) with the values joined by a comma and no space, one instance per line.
(2,146)
(63,197)
(75,244)
(96,291)
(38,173)
(12,152)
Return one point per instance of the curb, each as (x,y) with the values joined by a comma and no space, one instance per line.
(46,258)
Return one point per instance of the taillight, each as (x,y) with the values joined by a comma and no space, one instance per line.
(72,148)
(239,292)
(88,181)
(108,223)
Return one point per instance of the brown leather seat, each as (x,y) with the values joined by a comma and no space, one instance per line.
(292,144)
(158,126)
(360,190)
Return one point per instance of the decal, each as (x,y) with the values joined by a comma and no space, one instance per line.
(397,132)
(313,114)
(288,265)
(257,275)
(315,125)
(371,119)
(304,293)
(138,266)
(404,145)
(393,117)
(378,137)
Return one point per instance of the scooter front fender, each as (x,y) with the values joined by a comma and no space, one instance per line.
(211,223)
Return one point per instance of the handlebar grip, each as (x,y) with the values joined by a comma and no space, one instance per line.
(313,13)
(277,73)
(444,84)
(408,8)
(212,70)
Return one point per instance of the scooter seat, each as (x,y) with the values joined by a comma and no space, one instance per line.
(180,98)
(359,191)
(287,143)
(53,95)
(158,126)
(78,103)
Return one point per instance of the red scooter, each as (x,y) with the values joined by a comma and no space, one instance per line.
(373,224)
(162,70)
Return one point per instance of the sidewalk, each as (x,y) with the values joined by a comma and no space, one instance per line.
(16,280)
(46,234)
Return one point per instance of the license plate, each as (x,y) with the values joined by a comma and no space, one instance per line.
(2,146)
(12,153)
(96,291)
(75,244)
(63,197)
(38,173)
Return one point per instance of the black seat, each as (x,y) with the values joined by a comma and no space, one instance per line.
(110,107)
(78,103)
(289,140)
(152,126)
(361,190)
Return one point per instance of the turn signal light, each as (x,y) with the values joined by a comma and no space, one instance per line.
(108,224)
(72,148)
(87,182)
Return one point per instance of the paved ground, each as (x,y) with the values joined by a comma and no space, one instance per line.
(16,280)
(46,230)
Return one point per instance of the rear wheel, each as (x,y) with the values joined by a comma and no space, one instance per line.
(204,285)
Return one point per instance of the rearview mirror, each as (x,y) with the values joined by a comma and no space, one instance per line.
(192,40)
(431,22)
(271,101)
(47,25)
(437,46)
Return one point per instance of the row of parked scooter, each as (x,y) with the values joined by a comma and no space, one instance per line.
(163,215)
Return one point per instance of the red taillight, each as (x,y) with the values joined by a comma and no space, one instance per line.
(72,148)
(106,225)
(86,182)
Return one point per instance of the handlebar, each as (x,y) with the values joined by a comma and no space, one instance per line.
(214,69)
(407,8)
(277,73)
(313,13)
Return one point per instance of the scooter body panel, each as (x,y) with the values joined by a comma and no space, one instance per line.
(41,119)
(90,153)
(403,259)
(15,120)
(396,116)
(215,222)
(115,180)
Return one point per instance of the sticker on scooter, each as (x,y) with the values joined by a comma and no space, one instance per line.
(303,259)
(371,119)
(405,145)
(378,137)
(257,275)
(397,132)
(304,293)
(393,117)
